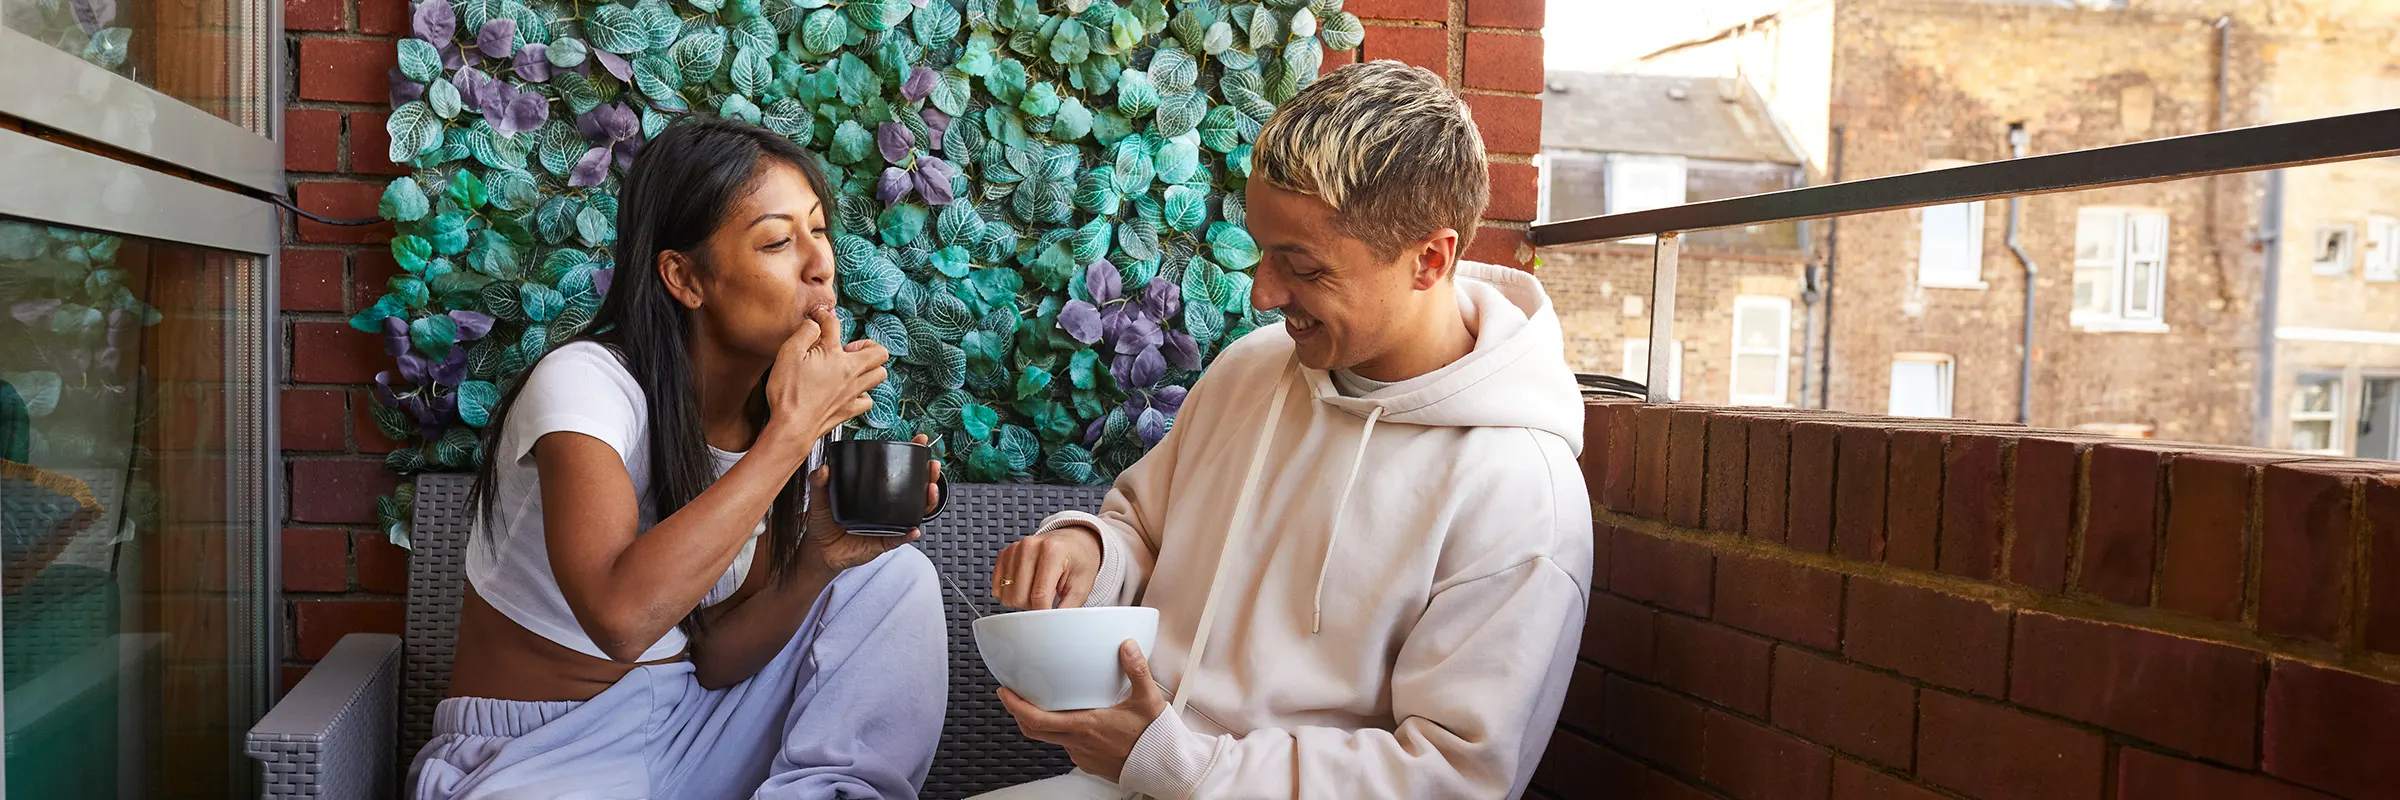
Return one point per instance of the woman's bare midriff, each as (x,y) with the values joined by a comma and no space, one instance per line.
(507,662)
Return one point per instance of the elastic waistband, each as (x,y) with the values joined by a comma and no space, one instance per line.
(483,716)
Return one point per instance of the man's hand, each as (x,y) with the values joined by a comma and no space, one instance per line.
(1098,740)
(1048,570)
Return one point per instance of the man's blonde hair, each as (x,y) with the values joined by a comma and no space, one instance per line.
(1393,150)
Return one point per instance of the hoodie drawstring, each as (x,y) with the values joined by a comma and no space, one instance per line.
(1316,616)
(1242,522)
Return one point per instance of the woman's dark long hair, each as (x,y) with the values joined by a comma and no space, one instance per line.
(675,197)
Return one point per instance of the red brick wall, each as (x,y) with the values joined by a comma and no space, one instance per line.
(1492,51)
(1817,605)
(339,575)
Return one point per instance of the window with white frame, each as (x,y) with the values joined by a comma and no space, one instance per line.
(2333,247)
(1637,365)
(2383,249)
(1762,351)
(1574,184)
(1641,183)
(1950,247)
(2317,413)
(1921,385)
(2120,266)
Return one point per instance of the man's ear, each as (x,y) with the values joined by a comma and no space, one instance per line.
(682,277)
(1437,258)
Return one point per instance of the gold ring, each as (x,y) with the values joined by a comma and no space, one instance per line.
(1008,581)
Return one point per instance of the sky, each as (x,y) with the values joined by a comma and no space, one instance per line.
(1593,35)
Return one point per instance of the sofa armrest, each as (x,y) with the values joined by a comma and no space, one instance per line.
(337,733)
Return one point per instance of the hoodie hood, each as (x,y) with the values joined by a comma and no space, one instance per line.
(1516,377)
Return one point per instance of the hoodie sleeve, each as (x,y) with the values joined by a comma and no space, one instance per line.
(1132,517)
(1476,689)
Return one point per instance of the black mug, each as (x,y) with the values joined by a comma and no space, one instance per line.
(878,487)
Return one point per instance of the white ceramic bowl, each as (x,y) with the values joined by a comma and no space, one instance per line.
(1065,659)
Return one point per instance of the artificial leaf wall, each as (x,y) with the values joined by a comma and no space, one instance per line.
(1040,211)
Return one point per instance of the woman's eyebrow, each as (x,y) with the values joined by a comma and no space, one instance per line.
(768,216)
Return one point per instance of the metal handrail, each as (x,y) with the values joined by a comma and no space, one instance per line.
(2350,137)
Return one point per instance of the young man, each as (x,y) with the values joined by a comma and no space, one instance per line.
(1366,535)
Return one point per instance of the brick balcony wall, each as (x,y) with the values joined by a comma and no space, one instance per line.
(339,575)
(1810,605)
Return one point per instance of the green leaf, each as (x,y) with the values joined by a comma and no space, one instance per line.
(1073,44)
(876,284)
(443,97)
(1221,130)
(936,24)
(567,53)
(752,73)
(1186,207)
(616,29)
(1178,160)
(596,228)
(1180,113)
(1137,96)
(658,78)
(851,144)
(660,24)
(419,61)
(1342,31)
(1019,447)
(1082,369)
(1232,246)
(448,233)
(1266,30)
(958,224)
(371,320)
(1092,241)
(901,224)
(978,420)
(1173,70)
(888,331)
(411,251)
(404,201)
(1299,66)
(697,56)
(1055,267)
(466,190)
(414,129)
(1032,383)
(476,401)
(709,6)
(952,261)
(540,303)
(978,59)
(457,448)
(578,93)
(855,80)
(879,15)
(434,335)
(1041,100)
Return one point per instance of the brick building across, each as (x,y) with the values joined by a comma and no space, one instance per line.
(2158,310)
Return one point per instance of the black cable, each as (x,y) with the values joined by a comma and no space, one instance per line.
(288,205)
(1611,386)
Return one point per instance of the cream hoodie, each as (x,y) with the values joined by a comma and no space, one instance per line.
(1399,579)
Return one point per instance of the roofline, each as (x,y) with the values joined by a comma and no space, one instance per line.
(1727,32)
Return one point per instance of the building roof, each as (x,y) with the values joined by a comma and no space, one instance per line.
(1695,117)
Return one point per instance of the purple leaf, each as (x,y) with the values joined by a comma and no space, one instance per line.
(92,15)
(1113,321)
(383,389)
(602,279)
(476,90)
(934,180)
(416,368)
(918,87)
(937,127)
(1140,335)
(626,150)
(395,337)
(429,424)
(1092,431)
(453,57)
(523,112)
(608,124)
(1152,426)
(1135,405)
(498,37)
(472,325)
(436,21)
(1148,367)
(533,62)
(403,89)
(591,169)
(108,360)
(892,186)
(1100,280)
(1181,351)
(615,64)
(1080,320)
(894,140)
(1170,398)
(453,370)
(1162,299)
(33,311)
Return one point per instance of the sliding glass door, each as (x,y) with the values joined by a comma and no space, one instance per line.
(137,488)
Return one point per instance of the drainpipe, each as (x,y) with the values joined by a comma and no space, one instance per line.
(2270,241)
(2016,148)
(1833,247)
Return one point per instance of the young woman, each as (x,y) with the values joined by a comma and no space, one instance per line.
(655,611)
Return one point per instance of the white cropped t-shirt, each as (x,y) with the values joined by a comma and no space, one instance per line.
(585,388)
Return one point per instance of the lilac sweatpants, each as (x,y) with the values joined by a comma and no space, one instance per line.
(852,708)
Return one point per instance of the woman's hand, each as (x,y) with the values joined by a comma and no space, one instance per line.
(816,383)
(842,549)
